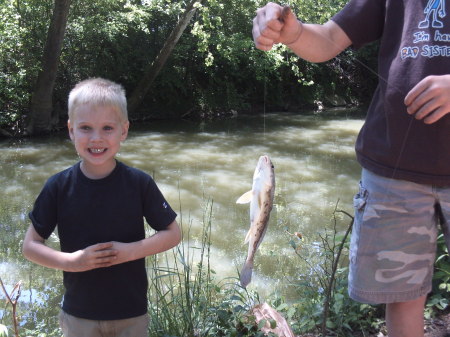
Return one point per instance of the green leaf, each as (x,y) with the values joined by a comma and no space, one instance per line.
(261,324)
(282,306)
(330,324)
(273,324)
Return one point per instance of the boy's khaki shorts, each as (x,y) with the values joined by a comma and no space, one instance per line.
(72,326)
(393,243)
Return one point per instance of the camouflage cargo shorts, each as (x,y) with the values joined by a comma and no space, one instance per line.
(393,243)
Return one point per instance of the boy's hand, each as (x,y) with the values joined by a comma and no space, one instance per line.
(159,242)
(429,100)
(275,24)
(96,256)
(124,252)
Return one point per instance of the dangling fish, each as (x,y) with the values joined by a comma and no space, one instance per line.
(261,202)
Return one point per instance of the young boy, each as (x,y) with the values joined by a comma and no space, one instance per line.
(98,206)
(403,147)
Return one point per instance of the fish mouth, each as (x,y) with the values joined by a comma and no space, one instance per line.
(267,160)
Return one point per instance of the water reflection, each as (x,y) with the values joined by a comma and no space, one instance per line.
(314,167)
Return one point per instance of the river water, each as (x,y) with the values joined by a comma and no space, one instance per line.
(196,164)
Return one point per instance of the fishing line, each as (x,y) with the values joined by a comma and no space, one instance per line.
(265,95)
(395,88)
(285,11)
(408,128)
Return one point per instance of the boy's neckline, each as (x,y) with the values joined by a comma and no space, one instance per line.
(94,177)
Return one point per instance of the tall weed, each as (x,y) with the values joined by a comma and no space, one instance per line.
(185,300)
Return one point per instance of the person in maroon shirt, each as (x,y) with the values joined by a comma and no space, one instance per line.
(403,146)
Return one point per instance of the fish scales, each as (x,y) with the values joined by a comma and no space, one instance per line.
(260,198)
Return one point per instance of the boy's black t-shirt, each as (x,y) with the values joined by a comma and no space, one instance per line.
(414,43)
(86,212)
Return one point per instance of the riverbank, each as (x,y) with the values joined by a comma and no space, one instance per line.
(188,299)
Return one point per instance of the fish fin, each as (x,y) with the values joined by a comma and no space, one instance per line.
(247,237)
(246,274)
(260,200)
(245,198)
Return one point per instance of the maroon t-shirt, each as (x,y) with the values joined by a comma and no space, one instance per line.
(414,43)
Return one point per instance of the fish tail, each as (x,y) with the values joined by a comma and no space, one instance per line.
(246,274)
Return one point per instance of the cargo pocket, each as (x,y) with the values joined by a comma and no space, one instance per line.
(359,205)
(360,199)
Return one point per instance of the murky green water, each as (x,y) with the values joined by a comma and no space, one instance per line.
(193,163)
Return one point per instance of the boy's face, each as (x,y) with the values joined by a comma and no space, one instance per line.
(97,132)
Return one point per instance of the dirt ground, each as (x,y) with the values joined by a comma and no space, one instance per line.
(435,327)
(438,327)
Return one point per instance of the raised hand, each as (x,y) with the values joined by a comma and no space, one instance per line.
(275,24)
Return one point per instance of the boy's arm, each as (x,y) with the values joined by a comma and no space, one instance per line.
(159,242)
(315,43)
(96,256)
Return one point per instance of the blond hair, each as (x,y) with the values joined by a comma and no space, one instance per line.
(98,91)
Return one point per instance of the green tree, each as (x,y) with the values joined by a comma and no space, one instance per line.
(155,67)
(42,99)
(22,35)
(213,69)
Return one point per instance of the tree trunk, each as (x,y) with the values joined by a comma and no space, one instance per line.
(40,120)
(154,68)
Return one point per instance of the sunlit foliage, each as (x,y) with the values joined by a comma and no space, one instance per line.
(214,69)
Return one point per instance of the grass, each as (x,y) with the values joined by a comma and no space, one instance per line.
(185,299)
